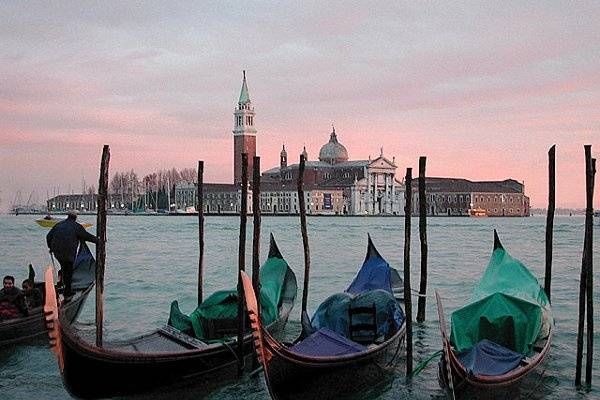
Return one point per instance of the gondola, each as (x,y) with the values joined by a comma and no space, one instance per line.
(31,329)
(501,336)
(166,359)
(325,364)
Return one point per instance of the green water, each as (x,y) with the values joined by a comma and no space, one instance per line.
(153,260)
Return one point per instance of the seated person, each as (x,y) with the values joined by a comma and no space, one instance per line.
(33,297)
(12,304)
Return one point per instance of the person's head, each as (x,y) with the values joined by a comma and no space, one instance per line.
(72,214)
(8,282)
(27,285)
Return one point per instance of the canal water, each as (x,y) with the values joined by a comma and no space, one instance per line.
(153,260)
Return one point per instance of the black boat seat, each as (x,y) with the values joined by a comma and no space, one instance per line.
(177,335)
(363,332)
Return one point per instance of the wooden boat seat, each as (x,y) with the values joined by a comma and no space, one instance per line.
(177,335)
(363,333)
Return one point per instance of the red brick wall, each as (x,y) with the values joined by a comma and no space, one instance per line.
(243,144)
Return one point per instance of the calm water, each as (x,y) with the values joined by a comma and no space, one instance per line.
(153,260)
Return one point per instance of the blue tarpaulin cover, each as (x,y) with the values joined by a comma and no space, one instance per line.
(375,273)
(490,359)
(325,342)
(333,312)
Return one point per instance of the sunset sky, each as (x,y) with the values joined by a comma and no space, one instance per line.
(482,90)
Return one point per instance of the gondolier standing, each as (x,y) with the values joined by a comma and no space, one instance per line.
(63,240)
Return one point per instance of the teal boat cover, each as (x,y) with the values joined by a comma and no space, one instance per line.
(223,305)
(507,307)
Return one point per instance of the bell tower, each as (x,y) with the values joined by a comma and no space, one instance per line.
(283,158)
(244,133)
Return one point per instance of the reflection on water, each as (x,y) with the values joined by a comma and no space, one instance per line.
(153,260)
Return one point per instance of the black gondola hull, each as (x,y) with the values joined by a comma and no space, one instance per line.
(93,373)
(140,365)
(31,330)
(304,378)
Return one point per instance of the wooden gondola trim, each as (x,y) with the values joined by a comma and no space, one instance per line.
(51,318)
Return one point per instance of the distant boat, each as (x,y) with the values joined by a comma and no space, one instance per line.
(49,222)
(478,212)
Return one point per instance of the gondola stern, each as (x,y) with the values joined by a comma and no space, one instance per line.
(497,243)
(371,249)
(273,249)
(51,318)
(257,329)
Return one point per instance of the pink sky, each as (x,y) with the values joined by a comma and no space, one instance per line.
(482,91)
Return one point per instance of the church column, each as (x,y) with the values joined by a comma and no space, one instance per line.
(368,200)
(375,211)
(393,193)
(387,194)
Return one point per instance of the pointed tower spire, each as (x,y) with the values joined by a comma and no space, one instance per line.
(244,95)
(304,153)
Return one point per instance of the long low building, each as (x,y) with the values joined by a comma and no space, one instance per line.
(456,197)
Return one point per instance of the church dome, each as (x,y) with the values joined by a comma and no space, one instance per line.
(333,152)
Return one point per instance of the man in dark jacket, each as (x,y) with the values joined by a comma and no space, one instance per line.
(12,304)
(63,240)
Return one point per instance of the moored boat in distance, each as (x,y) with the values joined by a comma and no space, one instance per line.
(501,336)
(49,222)
(172,357)
(353,343)
(478,212)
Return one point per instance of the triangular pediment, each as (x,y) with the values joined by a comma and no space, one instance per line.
(382,162)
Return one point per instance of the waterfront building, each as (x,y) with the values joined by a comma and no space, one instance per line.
(462,197)
(367,187)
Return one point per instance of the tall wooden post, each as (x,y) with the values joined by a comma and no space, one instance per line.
(550,218)
(586,266)
(256,227)
(302,206)
(242,262)
(200,208)
(407,291)
(101,245)
(256,237)
(589,221)
(423,239)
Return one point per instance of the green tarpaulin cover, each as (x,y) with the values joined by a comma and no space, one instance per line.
(223,305)
(507,307)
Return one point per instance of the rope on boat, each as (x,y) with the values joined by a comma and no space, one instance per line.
(423,364)
(417,294)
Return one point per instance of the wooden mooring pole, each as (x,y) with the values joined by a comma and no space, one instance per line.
(101,245)
(200,208)
(242,262)
(586,276)
(407,291)
(423,239)
(550,218)
(302,207)
(256,228)
(589,216)
(256,237)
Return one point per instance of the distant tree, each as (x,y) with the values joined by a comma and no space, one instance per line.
(189,175)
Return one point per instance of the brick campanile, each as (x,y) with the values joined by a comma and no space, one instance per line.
(244,133)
